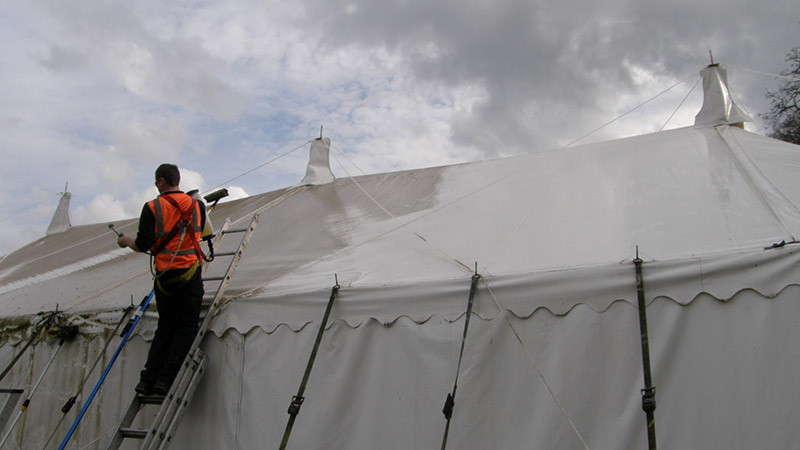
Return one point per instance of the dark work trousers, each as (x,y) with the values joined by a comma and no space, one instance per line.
(178,323)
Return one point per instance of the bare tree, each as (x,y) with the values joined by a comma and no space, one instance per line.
(783,118)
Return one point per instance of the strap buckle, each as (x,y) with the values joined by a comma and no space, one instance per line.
(294,407)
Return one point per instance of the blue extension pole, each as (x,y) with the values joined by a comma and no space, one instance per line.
(108,368)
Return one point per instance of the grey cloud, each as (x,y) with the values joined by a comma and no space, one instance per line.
(186,76)
(182,73)
(533,58)
(60,57)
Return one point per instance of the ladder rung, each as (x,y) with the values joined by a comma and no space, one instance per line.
(151,399)
(225,254)
(213,278)
(133,433)
(235,230)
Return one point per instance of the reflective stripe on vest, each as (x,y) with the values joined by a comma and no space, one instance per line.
(167,217)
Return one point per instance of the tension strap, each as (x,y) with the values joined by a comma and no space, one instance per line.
(297,400)
(649,391)
(450,402)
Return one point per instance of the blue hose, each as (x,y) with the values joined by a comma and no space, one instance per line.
(108,368)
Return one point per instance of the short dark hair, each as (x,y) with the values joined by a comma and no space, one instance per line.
(170,174)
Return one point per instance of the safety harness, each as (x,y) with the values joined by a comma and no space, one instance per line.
(183,224)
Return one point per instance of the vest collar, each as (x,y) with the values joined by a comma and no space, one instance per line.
(170,192)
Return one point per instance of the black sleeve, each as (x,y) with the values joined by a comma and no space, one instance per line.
(202,215)
(146,236)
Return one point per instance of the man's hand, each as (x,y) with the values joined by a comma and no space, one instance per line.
(125,241)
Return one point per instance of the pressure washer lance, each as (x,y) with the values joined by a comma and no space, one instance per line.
(139,311)
(111,227)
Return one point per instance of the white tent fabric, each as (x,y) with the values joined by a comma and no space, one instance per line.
(724,373)
(685,195)
(552,359)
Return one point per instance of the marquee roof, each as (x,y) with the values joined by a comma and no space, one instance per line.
(682,195)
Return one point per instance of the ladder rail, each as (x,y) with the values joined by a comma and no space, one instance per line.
(130,414)
(218,243)
(176,401)
(223,286)
(182,405)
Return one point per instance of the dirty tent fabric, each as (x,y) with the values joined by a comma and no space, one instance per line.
(553,354)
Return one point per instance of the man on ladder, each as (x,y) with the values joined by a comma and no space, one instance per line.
(170,228)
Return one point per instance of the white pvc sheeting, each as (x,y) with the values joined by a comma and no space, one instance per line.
(685,193)
(724,374)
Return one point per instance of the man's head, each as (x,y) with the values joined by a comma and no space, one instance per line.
(167,177)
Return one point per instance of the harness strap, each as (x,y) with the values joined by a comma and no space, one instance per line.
(184,223)
(177,282)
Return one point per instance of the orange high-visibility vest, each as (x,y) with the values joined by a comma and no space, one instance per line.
(167,217)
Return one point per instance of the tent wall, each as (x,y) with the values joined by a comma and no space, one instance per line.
(727,371)
(722,369)
(70,366)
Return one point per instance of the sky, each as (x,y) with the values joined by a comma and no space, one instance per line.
(96,94)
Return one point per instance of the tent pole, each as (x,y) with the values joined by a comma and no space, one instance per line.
(649,391)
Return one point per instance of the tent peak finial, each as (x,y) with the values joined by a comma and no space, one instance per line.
(60,221)
(718,105)
(318,170)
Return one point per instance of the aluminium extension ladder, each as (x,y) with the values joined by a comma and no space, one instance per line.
(173,405)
